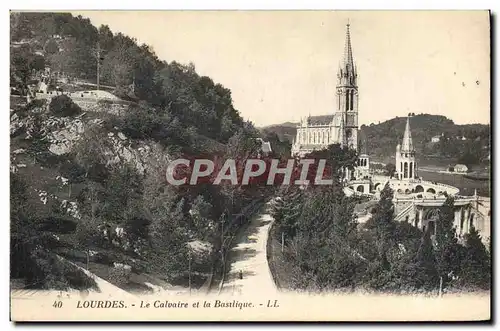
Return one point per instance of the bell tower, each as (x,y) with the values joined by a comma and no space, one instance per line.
(346,113)
(406,166)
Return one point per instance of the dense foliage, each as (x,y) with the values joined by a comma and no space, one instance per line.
(125,215)
(329,250)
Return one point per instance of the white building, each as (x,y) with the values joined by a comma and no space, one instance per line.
(436,139)
(461,168)
(265,147)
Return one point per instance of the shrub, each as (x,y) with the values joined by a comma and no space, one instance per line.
(104,102)
(63,106)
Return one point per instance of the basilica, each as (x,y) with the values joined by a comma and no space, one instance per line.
(317,132)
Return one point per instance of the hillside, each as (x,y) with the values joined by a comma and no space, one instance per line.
(88,183)
(381,139)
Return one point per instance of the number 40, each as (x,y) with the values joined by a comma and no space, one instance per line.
(57,304)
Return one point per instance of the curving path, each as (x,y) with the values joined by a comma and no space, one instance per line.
(248,255)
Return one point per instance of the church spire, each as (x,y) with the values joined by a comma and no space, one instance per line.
(348,60)
(347,69)
(407,145)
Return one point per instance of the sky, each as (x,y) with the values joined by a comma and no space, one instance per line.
(282,65)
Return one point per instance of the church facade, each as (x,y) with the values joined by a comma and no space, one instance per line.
(341,127)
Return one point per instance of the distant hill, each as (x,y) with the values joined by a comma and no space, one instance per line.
(285,131)
(381,139)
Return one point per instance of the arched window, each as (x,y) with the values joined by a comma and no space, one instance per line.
(405,171)
(411,169)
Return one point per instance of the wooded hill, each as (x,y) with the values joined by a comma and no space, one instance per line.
(381,139)
(108,175)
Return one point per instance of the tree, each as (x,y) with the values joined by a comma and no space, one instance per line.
(201,215)
(390,169)
(382,222)
(287,210)
(448,251)
(38,148)
(476,266)
(324,237)
(422,272)
(168,252)
(37,63)
(87,236)
(73,172)
(90,151)
(51,47)
(20,71)
(338,160)
(63,106)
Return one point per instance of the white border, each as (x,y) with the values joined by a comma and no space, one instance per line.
(190,5)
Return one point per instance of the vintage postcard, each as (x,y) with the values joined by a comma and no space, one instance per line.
(250,166)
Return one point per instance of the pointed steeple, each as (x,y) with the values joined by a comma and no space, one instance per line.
(407,145)
(364,146)
(348,60)
(347,69)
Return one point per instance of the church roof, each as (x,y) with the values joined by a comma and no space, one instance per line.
(320,120)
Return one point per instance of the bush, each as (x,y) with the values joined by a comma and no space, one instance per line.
(105,102)
(37,104)
(63,106)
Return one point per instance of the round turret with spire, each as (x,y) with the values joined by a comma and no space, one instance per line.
(406,166)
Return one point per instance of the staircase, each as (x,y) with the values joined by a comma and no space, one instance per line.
(405,212)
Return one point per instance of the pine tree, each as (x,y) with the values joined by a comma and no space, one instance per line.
(422,273)
(382,222)
(448,251)
(476,268)
(286,212)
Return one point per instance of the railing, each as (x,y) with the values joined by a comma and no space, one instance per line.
(348,191)
(81,97)
(453,190)
(403,213)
